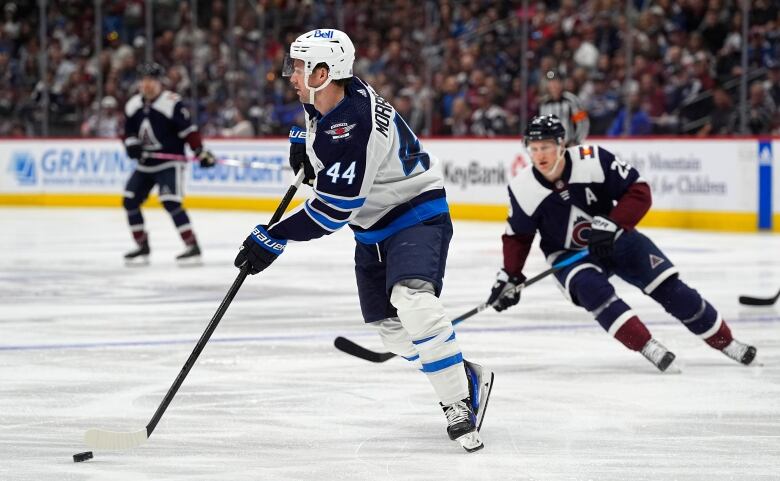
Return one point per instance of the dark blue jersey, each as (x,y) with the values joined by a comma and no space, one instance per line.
(162,125)
(593,180)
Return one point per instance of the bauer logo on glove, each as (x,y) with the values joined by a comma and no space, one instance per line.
(262,237)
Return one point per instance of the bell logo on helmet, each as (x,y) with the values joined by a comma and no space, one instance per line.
(323,34)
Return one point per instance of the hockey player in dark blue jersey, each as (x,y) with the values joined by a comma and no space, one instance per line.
(157,125)
(585,197)
(369,171)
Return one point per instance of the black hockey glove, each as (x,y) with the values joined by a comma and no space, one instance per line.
(503,295)
(259,250)
(206,158)
(298,156)
(135,151)
(603,232)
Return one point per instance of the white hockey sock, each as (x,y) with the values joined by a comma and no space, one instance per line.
(422,316)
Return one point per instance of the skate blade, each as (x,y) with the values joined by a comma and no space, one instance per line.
(140,261)
(485,389)
(190,262)
(471,441)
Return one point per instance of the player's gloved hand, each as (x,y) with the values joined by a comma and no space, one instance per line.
(259,250)
(134,151)
(603,232)
(298,157)
(503,295)
(206,158)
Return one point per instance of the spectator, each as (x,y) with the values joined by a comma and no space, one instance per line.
(488,120)
(602,105)
(722,120)
(107,122)
(688,45)
(639,124)
(761,110)
(242,127)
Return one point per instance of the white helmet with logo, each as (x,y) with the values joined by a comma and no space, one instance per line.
(328,46)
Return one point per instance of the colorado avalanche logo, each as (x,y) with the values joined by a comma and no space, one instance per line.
(340,131)
(578,230)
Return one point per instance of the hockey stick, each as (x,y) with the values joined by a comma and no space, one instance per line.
(254,164)
(759,301)
(345,345)
(102,439)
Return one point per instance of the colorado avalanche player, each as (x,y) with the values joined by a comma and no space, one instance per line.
(156,122)
(587,198)
(369,171)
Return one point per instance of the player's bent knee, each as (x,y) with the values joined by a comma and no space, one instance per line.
(130,203)
(420,311)
(591,289)
(171,206)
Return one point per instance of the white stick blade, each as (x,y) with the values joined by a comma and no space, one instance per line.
(100,439)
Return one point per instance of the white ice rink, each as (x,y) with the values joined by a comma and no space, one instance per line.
(86,342)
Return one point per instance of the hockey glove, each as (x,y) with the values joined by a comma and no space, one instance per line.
(206,158)
(259,250)
(298,156)
(503,295)
(603,232)
(134,151)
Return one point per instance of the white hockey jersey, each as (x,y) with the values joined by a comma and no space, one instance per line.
(372,172)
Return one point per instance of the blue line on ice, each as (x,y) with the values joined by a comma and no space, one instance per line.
(329,336)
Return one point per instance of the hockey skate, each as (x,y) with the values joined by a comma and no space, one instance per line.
(190,256)
(480,384)
(462,425)
(740,352)
(656,353)
(138,256)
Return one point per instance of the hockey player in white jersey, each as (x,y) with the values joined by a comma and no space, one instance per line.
(369,171)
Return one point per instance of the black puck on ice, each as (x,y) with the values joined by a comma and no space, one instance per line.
(77,458)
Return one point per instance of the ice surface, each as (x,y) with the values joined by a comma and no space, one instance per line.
(86,342)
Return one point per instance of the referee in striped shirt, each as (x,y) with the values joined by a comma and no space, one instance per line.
(567,107)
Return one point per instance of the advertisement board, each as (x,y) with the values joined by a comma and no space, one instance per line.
(710,183)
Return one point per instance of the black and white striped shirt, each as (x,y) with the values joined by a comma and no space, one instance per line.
(573,116)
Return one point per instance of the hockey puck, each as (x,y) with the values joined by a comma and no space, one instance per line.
(77,458)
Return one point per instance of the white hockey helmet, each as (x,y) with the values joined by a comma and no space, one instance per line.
(329,46)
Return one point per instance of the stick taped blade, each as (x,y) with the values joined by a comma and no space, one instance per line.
(345,345)
(100,439)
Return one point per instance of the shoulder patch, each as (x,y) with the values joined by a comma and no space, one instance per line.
(133,105)
(587,152)
(166,102)
(585,165)
(528,192)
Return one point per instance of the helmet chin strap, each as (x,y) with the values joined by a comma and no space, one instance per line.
(561,152)
(311,90)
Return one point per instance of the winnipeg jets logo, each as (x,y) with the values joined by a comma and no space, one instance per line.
(340,131)
(578,230)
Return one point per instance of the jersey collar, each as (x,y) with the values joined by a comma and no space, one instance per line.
(560,183)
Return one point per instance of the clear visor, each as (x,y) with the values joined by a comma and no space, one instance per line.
(288,68)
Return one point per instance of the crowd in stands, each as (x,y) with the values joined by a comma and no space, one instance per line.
(450,67)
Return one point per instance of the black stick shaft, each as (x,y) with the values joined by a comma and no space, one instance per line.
(525,284)
(204,338)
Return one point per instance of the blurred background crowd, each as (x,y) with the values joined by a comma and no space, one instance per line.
(450,67)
